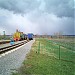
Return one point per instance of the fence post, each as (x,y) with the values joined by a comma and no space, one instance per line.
(39,48)
(59,52)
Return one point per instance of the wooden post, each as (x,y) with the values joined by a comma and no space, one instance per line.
(39,48)
(59,52)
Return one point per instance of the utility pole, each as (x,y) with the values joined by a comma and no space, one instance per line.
(4,34)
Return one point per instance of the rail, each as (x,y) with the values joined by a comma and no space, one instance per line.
(4,42)
(8,48)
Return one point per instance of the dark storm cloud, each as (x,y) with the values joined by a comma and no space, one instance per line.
(19,6)
(60,7)
(57,7)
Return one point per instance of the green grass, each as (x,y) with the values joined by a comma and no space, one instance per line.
(67,43)
(51,47)
(41,64)
(44,64)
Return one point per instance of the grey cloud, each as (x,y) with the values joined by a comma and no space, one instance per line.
(60,24)
(50,23)
(60,7)
(19,6)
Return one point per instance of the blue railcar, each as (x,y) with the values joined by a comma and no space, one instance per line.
(30,36)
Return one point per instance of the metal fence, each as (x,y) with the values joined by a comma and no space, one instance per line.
(44,46)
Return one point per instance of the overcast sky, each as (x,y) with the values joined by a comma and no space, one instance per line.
(37,16)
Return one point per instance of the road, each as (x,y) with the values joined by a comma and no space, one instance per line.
(14,60)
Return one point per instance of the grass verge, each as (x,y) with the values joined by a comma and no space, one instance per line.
(44,65)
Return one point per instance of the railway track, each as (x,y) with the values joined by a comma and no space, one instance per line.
(8,48)
(4,42)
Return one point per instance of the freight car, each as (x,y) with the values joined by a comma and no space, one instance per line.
(25,37)
(21,36)
(30,36)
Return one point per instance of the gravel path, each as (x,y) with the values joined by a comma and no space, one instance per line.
(14,60)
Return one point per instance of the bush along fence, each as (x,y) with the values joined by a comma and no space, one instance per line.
(45,46)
